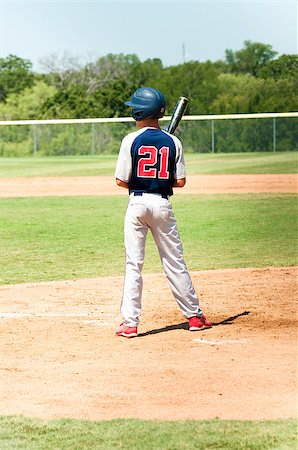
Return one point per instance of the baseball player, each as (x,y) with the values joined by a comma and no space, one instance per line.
(150,164)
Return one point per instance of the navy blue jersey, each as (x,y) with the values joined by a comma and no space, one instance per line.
(150,160)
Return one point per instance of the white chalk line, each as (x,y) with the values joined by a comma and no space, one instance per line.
(53,315)
(225,342)
(97,323)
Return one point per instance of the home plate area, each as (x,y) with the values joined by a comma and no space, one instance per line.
(61,358)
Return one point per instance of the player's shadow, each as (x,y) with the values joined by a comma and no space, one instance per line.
(230,320)
(184,325)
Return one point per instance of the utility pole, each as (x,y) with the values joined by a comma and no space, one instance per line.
(183,53)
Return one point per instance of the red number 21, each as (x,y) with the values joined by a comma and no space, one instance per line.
(145,165)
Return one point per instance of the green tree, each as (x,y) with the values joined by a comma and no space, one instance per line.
(96,90)
(147,73)
(235,93)
(286,66)
(107,69)
(250,59)
(194,80)
(275,95)
(15,75)
(27,104)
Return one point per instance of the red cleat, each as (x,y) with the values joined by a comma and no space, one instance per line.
(199,323)
(126,331)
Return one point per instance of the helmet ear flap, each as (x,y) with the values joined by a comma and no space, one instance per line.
(137,114)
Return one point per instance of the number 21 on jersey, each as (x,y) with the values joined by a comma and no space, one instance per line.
(146,164)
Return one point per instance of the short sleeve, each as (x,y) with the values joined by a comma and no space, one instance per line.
(124,162)
(180,163)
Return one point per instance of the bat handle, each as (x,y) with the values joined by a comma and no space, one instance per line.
(177,114)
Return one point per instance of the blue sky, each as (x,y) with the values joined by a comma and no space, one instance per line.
(156,29)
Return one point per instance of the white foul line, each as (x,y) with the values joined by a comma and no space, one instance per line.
(49,314)
(227,341)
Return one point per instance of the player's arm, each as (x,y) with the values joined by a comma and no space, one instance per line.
(179,183)
(122,183)
(180,174)
(124,164)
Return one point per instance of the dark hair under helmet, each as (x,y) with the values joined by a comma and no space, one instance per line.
(147,103)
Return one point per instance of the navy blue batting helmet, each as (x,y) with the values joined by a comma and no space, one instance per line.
(147,103)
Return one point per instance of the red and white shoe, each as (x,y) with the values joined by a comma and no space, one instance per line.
(128,332)
(199,323)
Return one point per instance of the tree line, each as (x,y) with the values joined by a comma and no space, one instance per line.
(250,80)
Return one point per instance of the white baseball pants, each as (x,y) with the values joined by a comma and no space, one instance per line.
(153,212)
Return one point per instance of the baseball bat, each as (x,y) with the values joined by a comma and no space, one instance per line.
(179,110)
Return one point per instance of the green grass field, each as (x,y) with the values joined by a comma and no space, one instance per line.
(22,433)
(59,238)
(279,162)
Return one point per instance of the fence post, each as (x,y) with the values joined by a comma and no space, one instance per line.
(212,136)
(274,134)
(93,140)
(34,141)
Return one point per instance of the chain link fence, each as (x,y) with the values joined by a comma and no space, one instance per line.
(199,134)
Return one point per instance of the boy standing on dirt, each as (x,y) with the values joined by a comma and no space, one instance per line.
(150,164)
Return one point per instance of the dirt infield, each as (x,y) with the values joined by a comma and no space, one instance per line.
(196,184)
(60,357)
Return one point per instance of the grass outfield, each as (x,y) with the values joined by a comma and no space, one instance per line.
(238,163)
(60,238)
(22,433)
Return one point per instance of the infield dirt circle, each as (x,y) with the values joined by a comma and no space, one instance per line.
(60,356)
